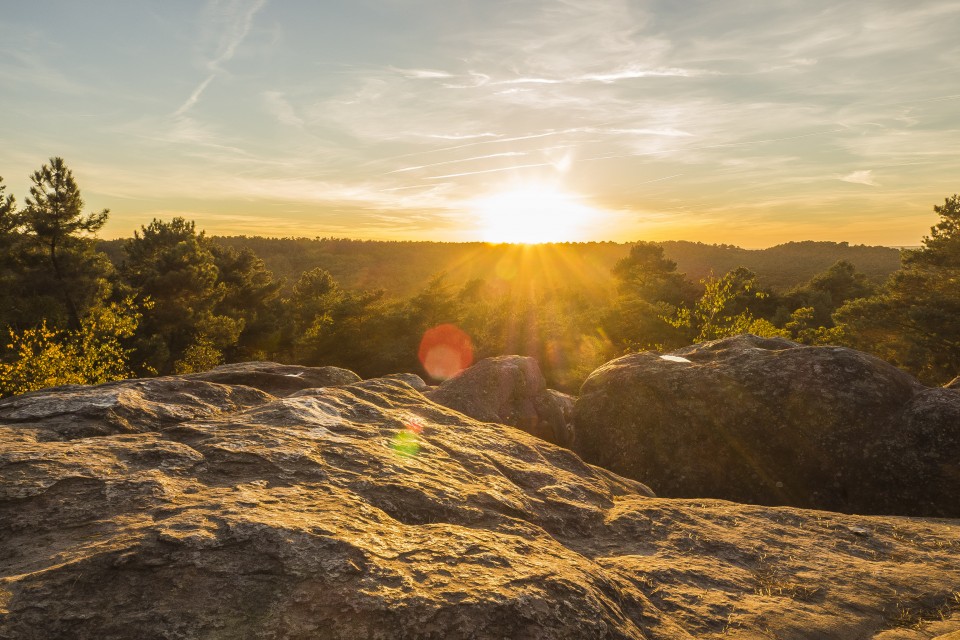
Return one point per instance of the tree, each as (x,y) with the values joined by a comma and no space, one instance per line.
(251,295)
(724,308)
(172,265)
(826,292)
(10,223)
(314,295)
(650,291)
(914,320)
(355,330)
(53,220)
(646,273)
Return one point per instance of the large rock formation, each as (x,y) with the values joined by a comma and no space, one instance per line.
(769,421)
(510,390)
(181,508)
(277,379)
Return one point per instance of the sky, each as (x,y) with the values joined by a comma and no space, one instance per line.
(740,122)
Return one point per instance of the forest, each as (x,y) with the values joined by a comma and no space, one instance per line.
(171,299)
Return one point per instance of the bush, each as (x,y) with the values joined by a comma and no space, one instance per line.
(44,357)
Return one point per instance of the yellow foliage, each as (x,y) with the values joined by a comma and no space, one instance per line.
(93,354)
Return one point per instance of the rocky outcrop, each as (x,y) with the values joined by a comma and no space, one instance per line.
(510,390)
(277,379)
(367,511)
(769,421)
(411,379)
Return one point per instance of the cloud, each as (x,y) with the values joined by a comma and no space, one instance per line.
(230,22)
(423,74)
(861,177)
(281,109)
(194,97)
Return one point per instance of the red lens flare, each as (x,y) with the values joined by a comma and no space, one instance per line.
(445,351)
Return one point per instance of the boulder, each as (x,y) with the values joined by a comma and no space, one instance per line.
(769,421)
(367,511)
(411,379)
(509,390)
(277,379)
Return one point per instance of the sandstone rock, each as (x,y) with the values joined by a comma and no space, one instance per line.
(127,406)
(277,379)
(769,421)
(411,379)
(366,511)
(509,390)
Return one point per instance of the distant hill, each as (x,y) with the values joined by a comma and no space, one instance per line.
(402,268)
(785,265)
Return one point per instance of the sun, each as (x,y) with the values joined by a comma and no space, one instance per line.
(532,214)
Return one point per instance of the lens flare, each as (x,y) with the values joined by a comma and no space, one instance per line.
(406,442)
(445,351)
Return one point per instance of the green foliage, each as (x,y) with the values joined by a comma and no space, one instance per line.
(723,309)
(650,291)
(314,295)
(202,355)
(174,266)
(914,320)
(803,327)
(251,295)
(93,354)
(48,266)
(337,327)
(9,220)
(828,291)
(10,223)
(60,248)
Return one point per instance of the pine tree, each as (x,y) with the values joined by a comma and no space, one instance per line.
(60,233)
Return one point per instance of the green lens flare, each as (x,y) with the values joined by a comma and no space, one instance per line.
(406,443)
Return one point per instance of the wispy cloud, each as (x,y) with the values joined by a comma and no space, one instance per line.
(230,22)
(423,74)
(281,108)
(506,154)
(194,97)
(861,177)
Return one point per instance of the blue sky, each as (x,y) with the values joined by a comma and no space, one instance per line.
(736,121)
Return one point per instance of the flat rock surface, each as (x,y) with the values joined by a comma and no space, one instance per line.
(769,421)
(367,511)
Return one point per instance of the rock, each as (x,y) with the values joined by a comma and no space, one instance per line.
(411,379)
(769,421)
(920,450)
(509,390)
(277,379)
(310,516)
(367,511)
(128,406)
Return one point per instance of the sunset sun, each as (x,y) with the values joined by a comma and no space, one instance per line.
(532,214)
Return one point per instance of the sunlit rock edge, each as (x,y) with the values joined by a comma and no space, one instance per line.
(184,507)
